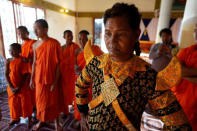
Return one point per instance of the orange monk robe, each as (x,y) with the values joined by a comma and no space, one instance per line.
(19,103)
(68,75)
(48,56)
(27,52)
(27,49)
(81,63)
(185,91)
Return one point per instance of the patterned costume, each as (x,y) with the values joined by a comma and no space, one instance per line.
(135,81)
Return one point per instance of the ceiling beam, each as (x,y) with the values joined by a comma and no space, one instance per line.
(47,5)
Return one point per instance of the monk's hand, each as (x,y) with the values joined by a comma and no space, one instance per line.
(30,60)
(84,119)
(26,60)
(14,90)
(77,70)
(18,89)
(31,84)
(52,87)
(167,49)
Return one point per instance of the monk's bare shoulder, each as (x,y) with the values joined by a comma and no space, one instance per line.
(36,44)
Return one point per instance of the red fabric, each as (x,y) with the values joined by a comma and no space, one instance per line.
(48,55)
(186,92)
(81,60)
(20,103)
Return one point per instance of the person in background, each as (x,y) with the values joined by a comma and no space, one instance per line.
(27,54)
(186,90)
(137,48)
(67,67)
(160,53)
(45,76)
(19,95)
(80,62)
(3,82)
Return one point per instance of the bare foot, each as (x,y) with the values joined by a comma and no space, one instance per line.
(38,126)
(12,122)
(58,128)
(76,125)
(57,125)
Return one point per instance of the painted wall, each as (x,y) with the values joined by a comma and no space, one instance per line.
(58,23)
(102,5)
(63,22)
(85,23)
(70,4)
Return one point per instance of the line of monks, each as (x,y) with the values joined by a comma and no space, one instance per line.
(41,74)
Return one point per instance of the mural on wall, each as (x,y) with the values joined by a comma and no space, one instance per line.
(149,29)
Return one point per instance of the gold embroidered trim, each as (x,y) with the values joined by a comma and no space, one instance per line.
(86,76)
(170,76)
(163,100)
(121,115)
(109,91)
(88,52)
(121,70)
(80,83)
(175,119)
(95,102)
(80,91)
(82,101)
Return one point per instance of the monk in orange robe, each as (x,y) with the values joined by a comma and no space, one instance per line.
(45,75)
(186,90)
(80,63)
(27,52)
(67,70)
(18,87)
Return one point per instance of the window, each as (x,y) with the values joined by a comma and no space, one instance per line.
(99,34)
(14,15)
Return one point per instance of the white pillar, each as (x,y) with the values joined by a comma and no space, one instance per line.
(186,37)
(164,16)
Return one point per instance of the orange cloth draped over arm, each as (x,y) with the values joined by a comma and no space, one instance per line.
(81,63)
(48,57)
(27,48)
(19,103)
(27,52)
(186,91)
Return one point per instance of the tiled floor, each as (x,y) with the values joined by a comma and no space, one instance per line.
(67,124)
